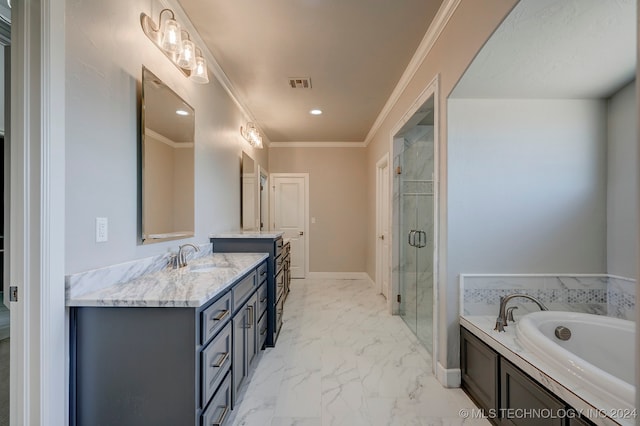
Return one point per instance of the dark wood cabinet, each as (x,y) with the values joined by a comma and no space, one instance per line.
(479,365)
(163,365)
(274,246)
(245,342)
(524,402)
(286,268)
(508,395)
(580,421)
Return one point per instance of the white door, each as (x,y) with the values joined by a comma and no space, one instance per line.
(383,247)
(290,216)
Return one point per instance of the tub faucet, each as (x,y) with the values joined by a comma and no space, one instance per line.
(501,321)
(182,256)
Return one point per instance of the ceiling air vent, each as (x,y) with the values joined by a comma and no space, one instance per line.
(300,82)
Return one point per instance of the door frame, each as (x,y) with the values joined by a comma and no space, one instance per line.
(272,178)
(380,207)
(39,368)
(264,193)
(432,89)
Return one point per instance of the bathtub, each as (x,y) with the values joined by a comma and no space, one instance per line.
(600,354)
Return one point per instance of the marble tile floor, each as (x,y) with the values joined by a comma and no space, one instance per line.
(342,360)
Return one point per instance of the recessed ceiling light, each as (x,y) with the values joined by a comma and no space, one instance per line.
(315,112)
(182,112)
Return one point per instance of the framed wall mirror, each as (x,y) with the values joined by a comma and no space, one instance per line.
(249,184)
(167,163)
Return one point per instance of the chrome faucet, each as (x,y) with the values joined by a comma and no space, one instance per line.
(182,256)
(501,321)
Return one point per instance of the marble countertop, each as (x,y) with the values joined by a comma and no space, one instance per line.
(184,287)
(557,381)
(248,234)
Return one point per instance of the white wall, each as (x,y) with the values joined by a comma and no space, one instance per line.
(527,186)
(105,51)
(622,189)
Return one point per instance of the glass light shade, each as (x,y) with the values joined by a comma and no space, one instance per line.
(199,74)
(252,135)
(258,142)
(187,58)
(171,37)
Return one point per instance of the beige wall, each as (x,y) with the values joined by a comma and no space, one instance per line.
(337,200)
(102,136)
(470,26)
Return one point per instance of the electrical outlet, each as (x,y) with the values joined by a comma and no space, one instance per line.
(102,229)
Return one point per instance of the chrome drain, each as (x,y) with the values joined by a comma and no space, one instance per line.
(563,333)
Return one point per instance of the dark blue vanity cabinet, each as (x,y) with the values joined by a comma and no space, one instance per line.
(246,326)
(276,277)
(499,387)
(164,365)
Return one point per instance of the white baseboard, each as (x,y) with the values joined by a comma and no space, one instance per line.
(339,276)
(449,378)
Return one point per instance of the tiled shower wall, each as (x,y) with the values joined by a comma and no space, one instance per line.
(597,294)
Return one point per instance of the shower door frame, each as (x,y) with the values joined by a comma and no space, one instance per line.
(432,89)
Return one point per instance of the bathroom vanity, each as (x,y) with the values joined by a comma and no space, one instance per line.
(506,380)
(170,347)
(278,264)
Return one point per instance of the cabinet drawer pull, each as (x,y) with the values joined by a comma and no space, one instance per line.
(222,417)
(263,300)
(263,273)
(250,309)
(264,330)
(223,358)
(221,315)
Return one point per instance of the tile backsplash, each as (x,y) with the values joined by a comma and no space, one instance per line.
(598,294)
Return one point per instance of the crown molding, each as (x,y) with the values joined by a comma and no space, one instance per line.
(440,21)
(317,145)
(212,63)
(165,140)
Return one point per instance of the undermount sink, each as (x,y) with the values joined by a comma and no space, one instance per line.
(208,267)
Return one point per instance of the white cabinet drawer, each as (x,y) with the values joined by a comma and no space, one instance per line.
(218,410)
(214,317)
(216,362)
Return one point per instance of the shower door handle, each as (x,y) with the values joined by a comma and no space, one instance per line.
(422,239)
(411,239)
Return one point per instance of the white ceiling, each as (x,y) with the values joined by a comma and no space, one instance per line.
(354,51)
(556,49)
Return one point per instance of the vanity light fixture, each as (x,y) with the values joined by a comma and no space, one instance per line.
(315,111)
(187,57)
(251,133)
(176,44)
(199,72)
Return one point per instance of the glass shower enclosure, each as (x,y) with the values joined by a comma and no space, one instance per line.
(414,187)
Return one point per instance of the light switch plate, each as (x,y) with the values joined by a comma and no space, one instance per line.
(102,230)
